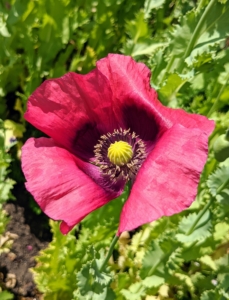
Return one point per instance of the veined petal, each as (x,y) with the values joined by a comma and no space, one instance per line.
(137,102)
(167,181)
(62,190)
(74,110)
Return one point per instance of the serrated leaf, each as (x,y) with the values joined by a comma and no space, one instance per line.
(221,231)
(199,249)
(217,179)
(209,295)
(198,278)
(168,242)
(5,189)
(153,281)
(182,33)
(207,260)
(153,260)
(221,290)
(136,292)
(186,280)
(152,4)
(137,28)
(175,261)
(145,48)
(212,30)
(4,295)
(140,42)
(201,230)
(222,262)
(90,279)
(122,281)
(55,271)
(223,77)
(168,92)
(224,285)
(92,283)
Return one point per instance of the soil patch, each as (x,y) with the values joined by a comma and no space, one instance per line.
(29,238)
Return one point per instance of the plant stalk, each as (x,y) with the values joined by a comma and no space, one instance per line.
(197,30)
(113,243)
(217,99)
(115,239)
(219,190)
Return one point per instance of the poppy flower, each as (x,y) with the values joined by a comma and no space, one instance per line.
(107,128)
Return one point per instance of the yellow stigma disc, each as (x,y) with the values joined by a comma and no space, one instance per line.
(120,153)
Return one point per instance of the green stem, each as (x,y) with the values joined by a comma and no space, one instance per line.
(153,269)
(197,32)
(200,215)
(194,38)
(168,67)
(227,135)
(115,239)
(222,187)
(217,99)
(198,28)
(200,5)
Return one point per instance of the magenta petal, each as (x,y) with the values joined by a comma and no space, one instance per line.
(60,188)
(167,181)
(137,103)
(134,100)
(72,106)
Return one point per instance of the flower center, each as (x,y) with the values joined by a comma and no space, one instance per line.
(120,153)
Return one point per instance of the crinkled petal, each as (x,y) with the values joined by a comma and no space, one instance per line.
(62,190)
(137,102)
(74,110)
(167,181)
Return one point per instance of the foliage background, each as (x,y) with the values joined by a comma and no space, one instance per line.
(185,44)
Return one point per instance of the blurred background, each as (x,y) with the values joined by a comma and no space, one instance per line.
(42,39)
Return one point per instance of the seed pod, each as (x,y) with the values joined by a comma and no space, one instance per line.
(221,147)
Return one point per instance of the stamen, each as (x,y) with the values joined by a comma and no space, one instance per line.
(120,154)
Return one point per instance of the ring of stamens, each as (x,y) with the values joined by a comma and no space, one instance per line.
(120,154)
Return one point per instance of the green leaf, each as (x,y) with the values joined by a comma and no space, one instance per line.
(66,30)
(3,221)
(153,260)
(224,285)
(192,228)
(137,28)
(152,4)
(214,30)
(175,261)
(209,295)
(187,40)
(135,292)
(221,290)
(92,283)
(145,47)
(168,92)
(221,231)
(218,179)
(5,189)
(182,33)
(4,295)
(140,42)
(153,281)
(207,260)
(57,264)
